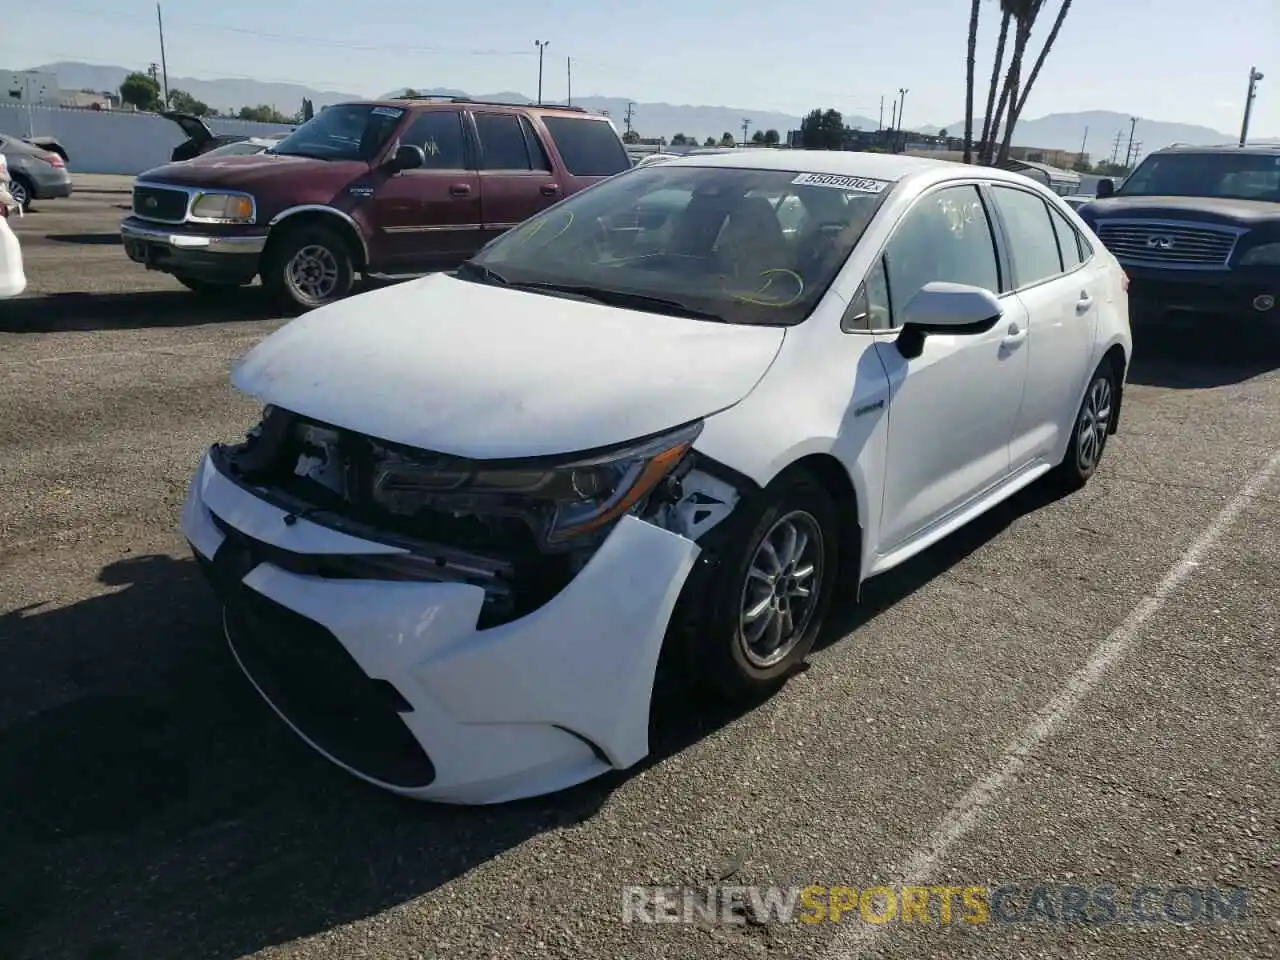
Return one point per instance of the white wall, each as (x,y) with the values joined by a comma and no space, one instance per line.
(116,141)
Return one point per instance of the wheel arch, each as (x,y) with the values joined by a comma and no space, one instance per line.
(1119,361)
(331,217)
(834,478)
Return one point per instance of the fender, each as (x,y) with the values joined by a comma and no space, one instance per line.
(328,211)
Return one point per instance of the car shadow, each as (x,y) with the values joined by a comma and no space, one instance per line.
(87,239)
(1203,352)
(161,808)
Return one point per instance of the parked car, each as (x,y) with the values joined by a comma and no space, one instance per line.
(242,148)
(481,506)
(34,173)
(13,279)
(200,139)
(386,188)
(1198,231)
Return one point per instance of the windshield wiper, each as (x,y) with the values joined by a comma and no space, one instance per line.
(480,272)
(619,298)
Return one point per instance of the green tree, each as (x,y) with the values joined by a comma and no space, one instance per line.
(822,130)
(262,114)
(709,142)
(184,102)
(141,91)
(679,140)
(943,133)
(410,92)
(631,136)
(727,139)
(771,136)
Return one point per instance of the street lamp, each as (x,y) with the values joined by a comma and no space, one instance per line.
(1254,77)
(541,45)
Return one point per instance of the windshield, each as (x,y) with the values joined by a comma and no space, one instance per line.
(350,131)
(743,246)
(1241,176)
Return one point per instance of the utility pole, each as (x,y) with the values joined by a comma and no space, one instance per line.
(893,115)
(902,104)
(568,67)
(1254,77)
(1133,123)
(745,124)
(1137,152)
(164,67)
(881,126)
(627,117)
(1115,145)
(541,45)
(1083,141)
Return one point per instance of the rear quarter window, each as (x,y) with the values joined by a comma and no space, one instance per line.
(589,148)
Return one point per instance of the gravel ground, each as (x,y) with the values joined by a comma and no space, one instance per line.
(154,807)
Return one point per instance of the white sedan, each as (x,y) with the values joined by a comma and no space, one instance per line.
(648,421)
(13,279)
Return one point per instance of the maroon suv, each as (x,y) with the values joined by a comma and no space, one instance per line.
(386,188)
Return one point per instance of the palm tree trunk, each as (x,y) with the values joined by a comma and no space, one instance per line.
(971,67)
(1044,52)
(1011,90)
(984,144)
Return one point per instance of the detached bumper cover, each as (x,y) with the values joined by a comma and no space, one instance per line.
(525,708)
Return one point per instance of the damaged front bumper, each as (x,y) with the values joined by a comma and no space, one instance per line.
(396,680)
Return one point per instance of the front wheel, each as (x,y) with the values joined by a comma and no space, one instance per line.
(773,590)
(1091,429)
(308,267)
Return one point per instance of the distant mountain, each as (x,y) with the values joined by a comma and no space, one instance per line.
(220,94)
(1066,131)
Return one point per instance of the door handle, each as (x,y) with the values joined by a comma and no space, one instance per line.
(1014,336)
(460,190)
(1085,302)
(550,189)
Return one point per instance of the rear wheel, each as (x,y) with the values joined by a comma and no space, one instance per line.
(21,191)
(1092,427)
(308,267)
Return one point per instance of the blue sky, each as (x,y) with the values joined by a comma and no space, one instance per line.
(1173,60)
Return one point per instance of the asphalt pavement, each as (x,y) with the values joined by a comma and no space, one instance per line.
(1073,692)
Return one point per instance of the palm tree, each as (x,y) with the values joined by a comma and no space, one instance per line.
(970,67)
(1025,18)
(988,133)
(1044,52)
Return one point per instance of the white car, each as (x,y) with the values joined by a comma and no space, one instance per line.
(13,280)
(479,506)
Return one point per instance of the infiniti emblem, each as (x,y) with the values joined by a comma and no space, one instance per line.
(150,203)
(1160,243)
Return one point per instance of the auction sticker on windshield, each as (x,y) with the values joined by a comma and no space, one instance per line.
(387,112)
(840,182)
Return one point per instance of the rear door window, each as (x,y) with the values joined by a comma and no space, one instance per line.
(1032,242)
(1068,242)
(502,142)
(589,148)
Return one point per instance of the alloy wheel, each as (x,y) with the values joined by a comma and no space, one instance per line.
(1095,418)
(782,589)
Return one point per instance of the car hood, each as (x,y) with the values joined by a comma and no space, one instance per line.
(483,372)
(253,171)
(1208,209)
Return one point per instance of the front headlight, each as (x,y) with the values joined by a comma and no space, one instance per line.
(223,207)
(563,501)
(1266,255)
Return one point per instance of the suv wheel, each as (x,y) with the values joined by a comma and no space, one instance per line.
(308,267)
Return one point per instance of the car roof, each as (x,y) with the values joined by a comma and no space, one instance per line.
(1260,148)
(851,163)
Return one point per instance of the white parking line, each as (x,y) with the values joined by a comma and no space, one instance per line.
(852,941)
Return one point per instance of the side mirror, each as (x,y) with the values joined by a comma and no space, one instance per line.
(946,308)
(407,157)
(1106,188)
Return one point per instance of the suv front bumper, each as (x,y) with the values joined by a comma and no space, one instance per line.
(213,257)
(394,682)
(1227,292)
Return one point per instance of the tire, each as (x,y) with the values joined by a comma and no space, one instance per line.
(206,288)
(728,661)
(21,191)
(1090,429)
(308,266)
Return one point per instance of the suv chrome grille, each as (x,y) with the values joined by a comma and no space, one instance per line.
(1168,244)
(160,203)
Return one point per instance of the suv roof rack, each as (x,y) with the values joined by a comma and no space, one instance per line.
(446,98)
